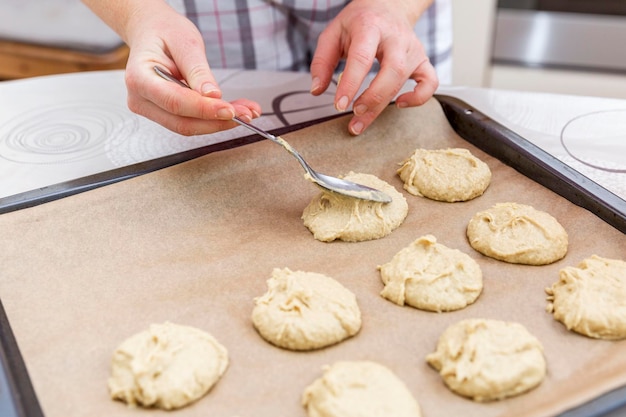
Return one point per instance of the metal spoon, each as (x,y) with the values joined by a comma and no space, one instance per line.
(344,187)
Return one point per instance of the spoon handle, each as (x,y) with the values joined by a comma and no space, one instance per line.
(169,76)
(282,142)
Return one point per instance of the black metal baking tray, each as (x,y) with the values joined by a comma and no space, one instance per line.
(17,395)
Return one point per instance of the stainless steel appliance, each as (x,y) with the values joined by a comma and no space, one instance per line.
(568,34)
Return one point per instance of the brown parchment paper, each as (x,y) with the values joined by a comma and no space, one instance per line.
(194,244)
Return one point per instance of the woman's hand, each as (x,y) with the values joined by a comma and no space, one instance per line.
(372,29)
(158,35)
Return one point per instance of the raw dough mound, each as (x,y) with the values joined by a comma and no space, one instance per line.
(359,389)
(167,366)
(488,360)
(330,216)
(591,299)
(430,276)
(305,310)
(445,175)
(518,234)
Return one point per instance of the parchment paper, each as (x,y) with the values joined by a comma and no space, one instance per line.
(194,244)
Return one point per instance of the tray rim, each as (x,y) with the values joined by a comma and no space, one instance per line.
(20,391)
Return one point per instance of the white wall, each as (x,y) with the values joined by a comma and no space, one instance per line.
(473,23)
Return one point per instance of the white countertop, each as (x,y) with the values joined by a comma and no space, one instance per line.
(58,128)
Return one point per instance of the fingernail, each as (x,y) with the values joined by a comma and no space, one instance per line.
(315,84)
(210,90)
(360,109)
(255,114)
(225,114)
(342,104)
(402,104)
(356,128)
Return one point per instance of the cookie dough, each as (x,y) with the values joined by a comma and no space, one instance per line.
(430,276)
(167,366)
(488,360)
(517,233)
(590,299)
(445,175)
(331,216)
(359,389)
(305,311)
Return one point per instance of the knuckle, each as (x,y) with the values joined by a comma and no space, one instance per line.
(367,18)
(365,50)
(397,74)
(198,72)
(171,103)
(381,99)
(375,98)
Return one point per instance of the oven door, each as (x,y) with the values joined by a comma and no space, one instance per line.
(566,34)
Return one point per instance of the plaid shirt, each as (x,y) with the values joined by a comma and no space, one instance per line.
(282,34)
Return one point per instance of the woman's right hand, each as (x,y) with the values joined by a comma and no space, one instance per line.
(159,36)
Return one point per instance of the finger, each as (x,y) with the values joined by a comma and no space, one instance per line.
(358,124)
(389,80)
(177,100)
(397,58)
(327,55)
(190,58)
(246,109)
(186,126)
(367,108)
(427,83)
(360,58)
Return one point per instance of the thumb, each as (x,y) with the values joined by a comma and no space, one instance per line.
(201,79)
(194,68)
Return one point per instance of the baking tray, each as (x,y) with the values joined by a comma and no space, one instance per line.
(468,122)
